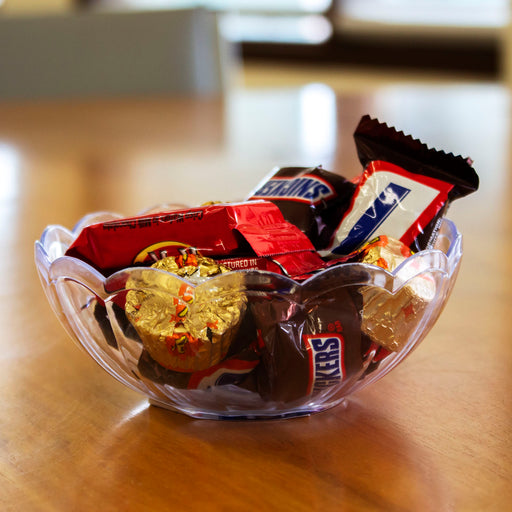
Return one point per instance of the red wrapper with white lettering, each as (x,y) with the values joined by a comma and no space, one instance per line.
(298,266)
(256,228)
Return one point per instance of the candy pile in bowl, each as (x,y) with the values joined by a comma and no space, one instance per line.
(278,306)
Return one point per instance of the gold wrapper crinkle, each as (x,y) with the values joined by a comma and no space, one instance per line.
(194,268)
(385,252)
(390,319)
(183,327)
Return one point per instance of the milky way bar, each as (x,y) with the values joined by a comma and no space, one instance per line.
(404,190)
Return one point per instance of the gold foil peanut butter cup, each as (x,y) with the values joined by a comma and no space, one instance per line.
(183,327)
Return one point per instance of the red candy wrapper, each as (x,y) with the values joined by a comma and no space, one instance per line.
(383,189)
(298,266)
(219,231)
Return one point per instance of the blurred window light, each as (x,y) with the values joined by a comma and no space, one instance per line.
(468,13)
(318,123)
(253,21)
(270,6)
(307,6)
(287,126)
(141,5)
(9,192)
(310,29)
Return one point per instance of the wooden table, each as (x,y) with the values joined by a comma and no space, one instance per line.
(434,435)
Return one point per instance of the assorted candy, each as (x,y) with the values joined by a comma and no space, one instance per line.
(284,344)
(182,328)
(312,199)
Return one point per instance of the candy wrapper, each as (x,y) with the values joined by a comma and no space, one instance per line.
(384,252)
(311,198)
(237,369)
(307,350)
(255,229)
(389,319)
(403,192)
(185,328)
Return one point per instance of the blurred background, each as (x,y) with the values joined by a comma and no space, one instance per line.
(293,76)
(102,47)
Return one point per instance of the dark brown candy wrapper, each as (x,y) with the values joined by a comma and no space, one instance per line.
(377,141)
(308,347)
(104,320)
(311,198)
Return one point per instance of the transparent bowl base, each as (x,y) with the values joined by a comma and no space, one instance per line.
(239,415)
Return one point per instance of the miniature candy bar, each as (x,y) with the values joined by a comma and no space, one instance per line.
(256,228)
(390,319)
(389,200)
(378,141)
(231,371)
(311,198)
(404,190)
(184,328)
(307,350)
(236,369)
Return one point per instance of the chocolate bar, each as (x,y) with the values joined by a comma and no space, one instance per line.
(403,192)
(256,228)
(311,198)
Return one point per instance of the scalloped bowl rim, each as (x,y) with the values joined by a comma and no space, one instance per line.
(390,280)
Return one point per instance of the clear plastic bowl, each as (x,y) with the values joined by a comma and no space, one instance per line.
(282,379)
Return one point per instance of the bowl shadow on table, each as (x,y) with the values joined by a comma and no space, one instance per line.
(345,455)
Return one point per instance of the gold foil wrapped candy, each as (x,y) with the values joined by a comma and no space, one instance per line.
(390,319)
(183,327)
(385,252)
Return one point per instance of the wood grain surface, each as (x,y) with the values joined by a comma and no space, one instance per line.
(433,435)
